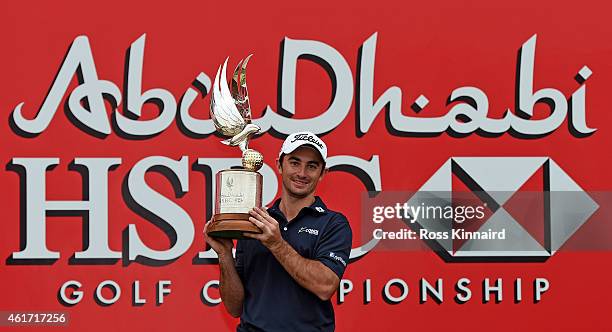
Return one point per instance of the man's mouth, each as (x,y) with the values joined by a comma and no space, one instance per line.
(300,183)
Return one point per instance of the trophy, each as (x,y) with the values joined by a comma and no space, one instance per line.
(238,190)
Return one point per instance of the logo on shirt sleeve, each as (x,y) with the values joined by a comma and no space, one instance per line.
(338,258)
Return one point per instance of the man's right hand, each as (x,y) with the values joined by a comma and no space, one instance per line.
(221,246)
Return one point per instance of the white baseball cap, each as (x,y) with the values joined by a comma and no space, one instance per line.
(296,140)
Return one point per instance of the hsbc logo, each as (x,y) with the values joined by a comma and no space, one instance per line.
(566,207)
(533,208)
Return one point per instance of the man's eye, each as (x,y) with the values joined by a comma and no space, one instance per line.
(312,167)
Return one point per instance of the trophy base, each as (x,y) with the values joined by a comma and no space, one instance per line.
(231,226)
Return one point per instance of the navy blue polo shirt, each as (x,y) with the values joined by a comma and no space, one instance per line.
(273,300)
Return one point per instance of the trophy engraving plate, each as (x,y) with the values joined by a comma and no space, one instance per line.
(239,191)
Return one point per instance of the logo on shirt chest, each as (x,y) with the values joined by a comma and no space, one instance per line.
(309,231)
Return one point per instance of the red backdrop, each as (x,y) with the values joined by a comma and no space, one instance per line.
(427,48)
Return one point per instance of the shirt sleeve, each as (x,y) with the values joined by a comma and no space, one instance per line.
(334,246)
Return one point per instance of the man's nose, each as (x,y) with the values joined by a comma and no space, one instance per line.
(302,171)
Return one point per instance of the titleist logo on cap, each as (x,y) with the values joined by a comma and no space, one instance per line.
(308,138)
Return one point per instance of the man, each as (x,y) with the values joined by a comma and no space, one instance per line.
(283,278)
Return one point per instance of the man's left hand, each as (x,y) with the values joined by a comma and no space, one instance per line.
(270,236)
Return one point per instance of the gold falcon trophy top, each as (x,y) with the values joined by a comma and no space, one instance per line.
(238,190)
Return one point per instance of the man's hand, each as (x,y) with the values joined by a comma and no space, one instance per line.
(310,274)
(270,236)
(221,246)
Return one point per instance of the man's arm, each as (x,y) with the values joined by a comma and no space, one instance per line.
(310,274)
(230,285)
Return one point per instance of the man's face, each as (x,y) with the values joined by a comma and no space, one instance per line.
(301,171)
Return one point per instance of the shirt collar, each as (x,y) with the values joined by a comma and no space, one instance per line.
(317,207)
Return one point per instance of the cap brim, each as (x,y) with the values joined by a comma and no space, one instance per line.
(306,145)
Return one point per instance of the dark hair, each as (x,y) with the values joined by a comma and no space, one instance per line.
(282,156)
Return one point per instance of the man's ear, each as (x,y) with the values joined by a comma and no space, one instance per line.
(323,172)
(278,166)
